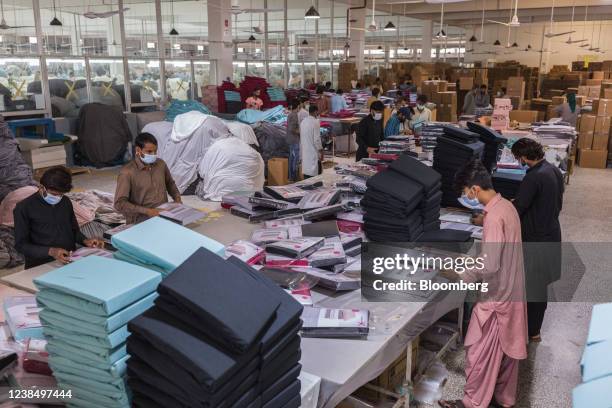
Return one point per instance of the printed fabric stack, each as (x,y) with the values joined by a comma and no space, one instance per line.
(86,306)
(453,151)
(160,245)
(494,144)
(199,347)
(400,200)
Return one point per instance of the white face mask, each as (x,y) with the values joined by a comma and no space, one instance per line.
(148,158)
(420,107)
(378,116)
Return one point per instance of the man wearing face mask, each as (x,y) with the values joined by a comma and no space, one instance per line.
(144,183)
(496,337)
(45,225)
(539,201)
(370,131)
(421,115)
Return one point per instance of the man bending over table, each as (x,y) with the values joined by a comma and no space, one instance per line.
(144,183)
(45,225)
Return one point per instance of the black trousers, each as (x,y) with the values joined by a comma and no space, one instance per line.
(535,317)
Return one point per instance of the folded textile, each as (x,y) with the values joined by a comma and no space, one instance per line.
(398,186)
(417,171)
(87,398)
(97,285)
(21,314)
(122,256)
(62,316)
(80,355)
(111,340)
(197,294)
(114,371)
(143,242)
(208,364)
(178,107)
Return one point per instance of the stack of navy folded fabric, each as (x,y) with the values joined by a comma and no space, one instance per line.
(454,150)
(402,202)
(494,144)
(507,183)
(220,335)
(86,306)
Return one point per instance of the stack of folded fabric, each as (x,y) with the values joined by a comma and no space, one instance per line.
(494,144)
(198,348)
(428,135)
(86,306)
(391,203)
(160,244)
(507,183)
(233,103)
(225,86)
(277,96)
(431,181)
(453,151)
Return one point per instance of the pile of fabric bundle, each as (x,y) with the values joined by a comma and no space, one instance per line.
(428,135)
(494,144)
(225,86)
(188,351)
(402,201)
(14,171)
(210,97)
(160,244)
(507,182)
(86,306)
(453,150)
(177,107)
(274,115)
(272,140)
(277,96)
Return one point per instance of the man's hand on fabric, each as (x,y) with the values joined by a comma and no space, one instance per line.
(60,255)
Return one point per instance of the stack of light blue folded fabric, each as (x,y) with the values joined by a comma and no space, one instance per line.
(232,96)
(160,244)
(275,115)
(596,363)
(86,306)
(276,94)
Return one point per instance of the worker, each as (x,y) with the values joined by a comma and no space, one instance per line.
(539,201)
(328,86)
(254,101)
(501,93)
(378,84)
(482,98)
(293,139)
(338,103)
(45,224)
(396,123)
(496,337)
(370,131)
(469,103)
(303,110)
(322,101)
(144,183)
(374,97)
(421,115)
(311,148)
(568,111)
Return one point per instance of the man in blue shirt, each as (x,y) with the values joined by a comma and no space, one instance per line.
(338,102)
(395,124)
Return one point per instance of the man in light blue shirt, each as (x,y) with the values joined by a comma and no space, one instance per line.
(338,102)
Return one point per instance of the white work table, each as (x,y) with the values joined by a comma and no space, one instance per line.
(343,365)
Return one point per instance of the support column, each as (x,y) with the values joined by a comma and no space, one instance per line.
(113,36)
(357,39)
(220,34)
(427,40)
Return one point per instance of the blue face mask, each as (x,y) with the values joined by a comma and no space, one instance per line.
(471,203)
(52,199)
(524,165)
(148,158)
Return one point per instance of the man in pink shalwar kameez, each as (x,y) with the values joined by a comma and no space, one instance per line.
(496,338)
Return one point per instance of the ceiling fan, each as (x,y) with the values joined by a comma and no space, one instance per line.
(514,20)
(372,27)
(551,33)
(3,24)
(586,11)
(104,14)
(236,9)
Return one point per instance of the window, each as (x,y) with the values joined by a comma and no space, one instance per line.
(309,73)
(20,85)
(239,71)
(257,69)
(295,75)
(202,76)
(141,30)
(178,80)
(67,86)
(107,81)
(324,72)
(277,74)
(145,82)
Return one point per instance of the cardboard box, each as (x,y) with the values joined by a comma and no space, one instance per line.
(594,82)
(580,100)
(598,75)
(594,91)
(602,107)
(586,131)
(278,171)
(558,100)
(600,141)
(583,90)
(606,93)
(602,125)
(45,157)
(524,116)
(592,159)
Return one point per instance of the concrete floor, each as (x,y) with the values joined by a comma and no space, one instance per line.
(552,368)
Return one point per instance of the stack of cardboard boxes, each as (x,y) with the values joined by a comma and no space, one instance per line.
(515,90)
(347,71)
(446,106)
(594,135)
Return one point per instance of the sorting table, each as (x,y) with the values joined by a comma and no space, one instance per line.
(343,365)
